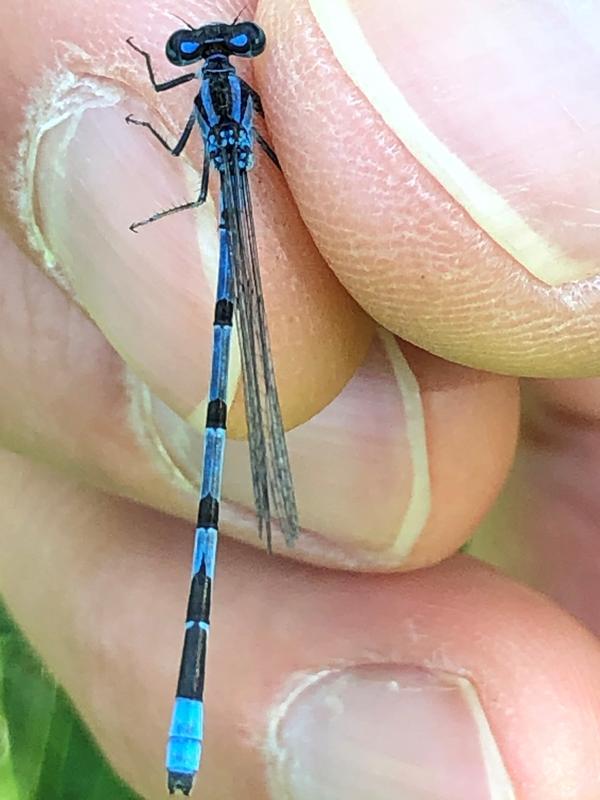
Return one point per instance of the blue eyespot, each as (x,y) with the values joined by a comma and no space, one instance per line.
(189,48)
(241,40)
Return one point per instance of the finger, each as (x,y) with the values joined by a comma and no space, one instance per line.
(68,399)
(81,176)
(551,505)
(453,187)
(319,679)
(397,471)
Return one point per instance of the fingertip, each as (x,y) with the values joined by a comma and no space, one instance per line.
(399,469)
(412,200)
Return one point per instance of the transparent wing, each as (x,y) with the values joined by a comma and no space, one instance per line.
(269,462)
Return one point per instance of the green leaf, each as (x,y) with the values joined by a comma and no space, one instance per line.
(46,752)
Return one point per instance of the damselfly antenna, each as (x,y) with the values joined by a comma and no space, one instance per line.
(181,19)
(239,15)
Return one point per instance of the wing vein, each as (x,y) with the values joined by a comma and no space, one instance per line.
(269,460)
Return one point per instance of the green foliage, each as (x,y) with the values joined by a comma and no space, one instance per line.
(46,753)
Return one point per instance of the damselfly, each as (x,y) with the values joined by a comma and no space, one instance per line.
(224,109)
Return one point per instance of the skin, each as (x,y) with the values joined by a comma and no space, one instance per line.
(99,491)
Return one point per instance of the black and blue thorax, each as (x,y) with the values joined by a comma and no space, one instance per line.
(224,110)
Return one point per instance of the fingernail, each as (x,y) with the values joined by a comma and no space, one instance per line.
(385,732)
(94,176)
(369,442)
(496,101)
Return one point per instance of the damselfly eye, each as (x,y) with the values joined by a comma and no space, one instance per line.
(184,47)
(241,40)
(245,39)
(188,47)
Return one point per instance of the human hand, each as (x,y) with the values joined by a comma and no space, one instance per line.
(469,678)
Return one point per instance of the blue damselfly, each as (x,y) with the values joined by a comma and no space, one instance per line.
(224,108)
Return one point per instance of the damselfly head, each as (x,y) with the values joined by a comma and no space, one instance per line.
(244,39)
